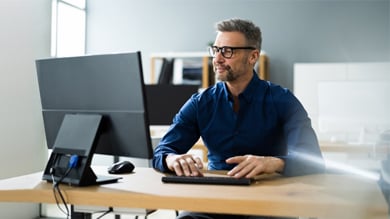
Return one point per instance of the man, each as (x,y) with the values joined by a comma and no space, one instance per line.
(249,126)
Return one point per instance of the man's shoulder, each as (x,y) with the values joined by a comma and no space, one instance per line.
(276,89)
(212,91)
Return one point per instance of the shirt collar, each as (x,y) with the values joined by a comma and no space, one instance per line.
(249,91)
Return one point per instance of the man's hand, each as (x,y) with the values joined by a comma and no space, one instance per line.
(184,164)
(250,165)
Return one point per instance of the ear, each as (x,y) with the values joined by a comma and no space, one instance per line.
(254,57)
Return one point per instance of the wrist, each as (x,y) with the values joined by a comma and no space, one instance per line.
(168,160)
(279,164)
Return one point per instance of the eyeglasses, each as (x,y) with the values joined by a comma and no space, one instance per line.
(226,51)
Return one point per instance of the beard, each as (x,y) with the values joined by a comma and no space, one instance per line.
(229,76)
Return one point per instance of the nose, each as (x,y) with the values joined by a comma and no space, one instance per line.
(218,60)
(218,56)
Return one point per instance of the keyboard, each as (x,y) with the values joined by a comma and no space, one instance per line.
(214,180)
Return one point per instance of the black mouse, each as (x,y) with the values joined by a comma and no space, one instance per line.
(121,167)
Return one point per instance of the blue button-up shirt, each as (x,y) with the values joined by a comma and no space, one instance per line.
(270,122)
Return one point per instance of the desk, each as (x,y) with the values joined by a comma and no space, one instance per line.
(321,196)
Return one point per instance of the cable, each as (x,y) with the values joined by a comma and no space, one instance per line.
(73,161)
(110,209)
(56,185)
(57,192)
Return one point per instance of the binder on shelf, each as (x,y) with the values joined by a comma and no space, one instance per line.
(166,73)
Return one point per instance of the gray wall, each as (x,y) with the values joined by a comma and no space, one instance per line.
(25,36)
(293,30)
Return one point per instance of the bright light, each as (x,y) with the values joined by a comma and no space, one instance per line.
(330,164)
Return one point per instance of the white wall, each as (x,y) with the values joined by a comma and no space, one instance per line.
(25,36)
(364,83)
(348,104)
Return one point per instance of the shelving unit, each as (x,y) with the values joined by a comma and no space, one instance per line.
(205,57)
(262,70)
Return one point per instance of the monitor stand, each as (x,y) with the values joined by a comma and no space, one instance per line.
(77,137)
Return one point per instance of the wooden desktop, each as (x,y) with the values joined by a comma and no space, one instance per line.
(314,196)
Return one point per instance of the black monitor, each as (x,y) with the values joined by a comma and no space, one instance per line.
(164,101)
(92,104)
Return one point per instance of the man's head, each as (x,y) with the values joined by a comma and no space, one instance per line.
(236,50)
(250,31)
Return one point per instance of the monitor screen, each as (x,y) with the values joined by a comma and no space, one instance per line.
(110,86)
(164,101)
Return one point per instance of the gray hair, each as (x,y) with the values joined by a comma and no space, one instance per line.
(251,32)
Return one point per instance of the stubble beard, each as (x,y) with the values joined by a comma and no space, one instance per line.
(229,76)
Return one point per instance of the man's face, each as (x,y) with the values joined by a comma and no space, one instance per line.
(230,69)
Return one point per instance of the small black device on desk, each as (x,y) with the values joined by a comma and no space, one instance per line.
(215,180)
(121,167)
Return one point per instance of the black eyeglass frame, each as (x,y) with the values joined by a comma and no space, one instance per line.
(214,49)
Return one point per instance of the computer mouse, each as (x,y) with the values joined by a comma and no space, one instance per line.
(121,167)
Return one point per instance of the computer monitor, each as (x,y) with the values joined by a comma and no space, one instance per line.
(92,104)
(164,101)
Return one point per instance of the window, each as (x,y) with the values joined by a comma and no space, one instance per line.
(68,27)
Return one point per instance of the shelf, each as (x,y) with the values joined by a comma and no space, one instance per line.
(205,57)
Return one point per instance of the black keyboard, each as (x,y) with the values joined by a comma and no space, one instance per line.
(215,180)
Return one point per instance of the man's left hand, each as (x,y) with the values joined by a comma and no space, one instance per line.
(251,165)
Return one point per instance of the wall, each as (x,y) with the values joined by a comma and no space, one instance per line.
(25,36)
(348,106)
(293,31)
(347,102)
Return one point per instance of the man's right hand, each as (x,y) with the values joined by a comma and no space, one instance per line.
(184,164)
